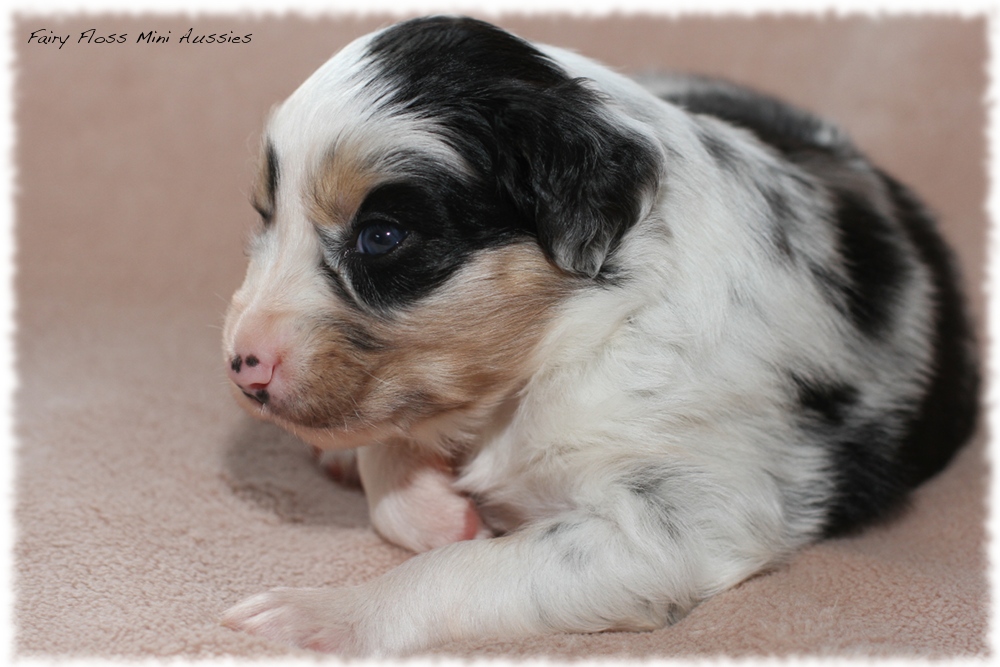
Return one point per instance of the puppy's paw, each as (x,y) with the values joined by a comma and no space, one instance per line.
(427,513)
(321,619)
(340,465)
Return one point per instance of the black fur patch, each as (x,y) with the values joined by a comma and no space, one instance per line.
(536,138)
(829,401)
(774,122)
(782,218)
(870,481)
(875,265)
(863,463)
(261,396)
(723,154)
(446,220)
(947,415)
(876,460)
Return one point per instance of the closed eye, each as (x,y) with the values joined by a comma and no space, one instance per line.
(266,214)
(379,238)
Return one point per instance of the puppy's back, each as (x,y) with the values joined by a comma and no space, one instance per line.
(880,223)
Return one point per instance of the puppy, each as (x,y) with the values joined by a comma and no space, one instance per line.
(649,346)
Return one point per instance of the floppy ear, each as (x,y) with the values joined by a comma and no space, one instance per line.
(576,177)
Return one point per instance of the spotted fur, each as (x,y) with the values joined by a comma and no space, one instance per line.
(648,346)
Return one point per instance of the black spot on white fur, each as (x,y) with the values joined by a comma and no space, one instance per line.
(830,401)
(876,268)
(782,218)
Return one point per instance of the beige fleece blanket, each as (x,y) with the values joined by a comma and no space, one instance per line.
(147,503)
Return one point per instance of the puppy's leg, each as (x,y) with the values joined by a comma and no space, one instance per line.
(412,501)
(580,572)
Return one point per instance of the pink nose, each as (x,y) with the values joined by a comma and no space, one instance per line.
(252,373)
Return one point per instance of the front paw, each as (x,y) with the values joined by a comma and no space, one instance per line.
(426,512)
(320,619)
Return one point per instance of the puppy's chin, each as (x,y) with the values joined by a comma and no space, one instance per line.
(339,439)
(325,438)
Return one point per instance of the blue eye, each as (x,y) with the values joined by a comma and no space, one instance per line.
(379,238)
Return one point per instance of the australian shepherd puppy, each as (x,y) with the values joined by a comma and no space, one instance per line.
(602,353)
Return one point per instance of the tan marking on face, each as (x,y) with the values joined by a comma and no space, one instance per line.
(343,181)
(463,349)
(468,346)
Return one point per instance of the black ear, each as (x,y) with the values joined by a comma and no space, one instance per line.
(576,176)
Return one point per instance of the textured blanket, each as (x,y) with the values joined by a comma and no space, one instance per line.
(147,502)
